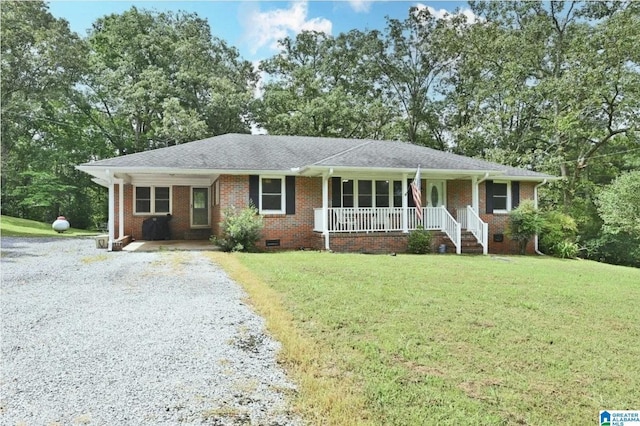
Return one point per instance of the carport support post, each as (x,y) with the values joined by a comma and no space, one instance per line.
(120,207)
(112,206)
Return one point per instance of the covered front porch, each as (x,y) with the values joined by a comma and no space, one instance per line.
(398,219)
(362,205)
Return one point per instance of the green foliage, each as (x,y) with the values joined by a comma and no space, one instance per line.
(558,234)
(419,241)
(241,229)
(160,79)
(566,249)
(319,86)
(43,135)
(618,249)
(524,222)
(619,205)
(548,85)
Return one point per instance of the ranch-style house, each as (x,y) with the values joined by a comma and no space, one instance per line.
(349,195)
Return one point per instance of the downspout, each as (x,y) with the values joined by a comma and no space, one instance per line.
(535,203)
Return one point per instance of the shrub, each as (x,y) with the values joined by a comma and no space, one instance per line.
(566,249)
(241,229)
(419,241)
(558,235)
(524,222)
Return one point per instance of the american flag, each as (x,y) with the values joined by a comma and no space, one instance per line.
(417,194)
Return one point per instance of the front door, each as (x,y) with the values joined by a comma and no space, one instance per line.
(436,196)
(199,207)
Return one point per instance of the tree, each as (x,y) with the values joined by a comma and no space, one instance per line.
(323,86)
(42,135)
(160,79)
(550,86)
(413,56)
(619,205)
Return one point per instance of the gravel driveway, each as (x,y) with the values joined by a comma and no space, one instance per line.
(90,337)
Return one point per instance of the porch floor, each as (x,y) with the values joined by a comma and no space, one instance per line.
(170,245)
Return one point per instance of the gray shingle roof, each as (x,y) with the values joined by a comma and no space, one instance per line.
(238,152)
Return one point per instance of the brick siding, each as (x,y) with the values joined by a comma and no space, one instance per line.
(498,222)
(296,231)
(458,195)
(180,222)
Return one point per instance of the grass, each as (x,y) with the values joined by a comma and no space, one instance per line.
(15,227)
(409,340)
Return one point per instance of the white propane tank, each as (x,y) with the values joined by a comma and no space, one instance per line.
(60,224)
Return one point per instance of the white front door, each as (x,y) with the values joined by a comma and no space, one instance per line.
(436,193)
(199,207)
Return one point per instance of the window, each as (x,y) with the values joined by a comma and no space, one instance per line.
(365,193)
(397,193)
(382,193)
(501,198)
(347,193)
(272,195)
(152,199)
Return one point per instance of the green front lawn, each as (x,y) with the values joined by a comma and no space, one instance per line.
(462,339)
(15,227)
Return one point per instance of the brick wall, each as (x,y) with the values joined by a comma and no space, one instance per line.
(294,231)
(388,242)
(498,222)
(458,195)
(180,213)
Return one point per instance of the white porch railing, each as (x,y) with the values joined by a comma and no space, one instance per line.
(470,221)
(452,229)
(461,217)
(388,219)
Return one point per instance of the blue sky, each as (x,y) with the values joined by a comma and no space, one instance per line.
(255,26)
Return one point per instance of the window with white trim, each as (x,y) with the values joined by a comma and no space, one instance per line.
(501,196)
(272,195)
(152,199)
(370,193)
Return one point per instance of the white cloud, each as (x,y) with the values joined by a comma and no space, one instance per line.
(266,28)
(444,14)
(360,5)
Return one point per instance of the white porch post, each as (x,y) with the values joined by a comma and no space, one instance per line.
(120,207)
(475,195)
(405,205)
(325,210)
(112,203)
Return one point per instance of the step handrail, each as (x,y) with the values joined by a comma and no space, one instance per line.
(478,228)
